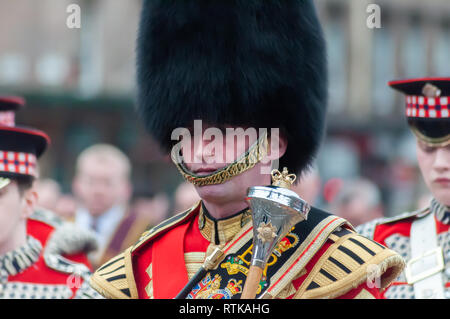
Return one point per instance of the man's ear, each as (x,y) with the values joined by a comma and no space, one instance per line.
(277,145)
(30,199)
(76,186)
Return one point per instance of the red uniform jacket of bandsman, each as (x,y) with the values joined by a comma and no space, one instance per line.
(395,234)
(156,267)
(50,275)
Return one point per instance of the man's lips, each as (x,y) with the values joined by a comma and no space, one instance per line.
(206,170)
(442,180)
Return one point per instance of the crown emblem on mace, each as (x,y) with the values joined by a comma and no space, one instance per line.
(282,179)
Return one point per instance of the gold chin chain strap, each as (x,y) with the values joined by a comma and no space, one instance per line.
(4,182)
(248,160)
(430,141)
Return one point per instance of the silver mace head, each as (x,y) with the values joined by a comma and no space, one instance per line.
(275,210)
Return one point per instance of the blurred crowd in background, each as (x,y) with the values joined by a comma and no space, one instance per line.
(105,173)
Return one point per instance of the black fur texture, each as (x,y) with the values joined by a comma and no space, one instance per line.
(248,63)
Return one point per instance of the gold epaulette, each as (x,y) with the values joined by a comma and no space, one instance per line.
(349,262)
(115,279)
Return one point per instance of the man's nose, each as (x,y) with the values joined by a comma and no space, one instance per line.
(442,159)
(198,149)
(206,150)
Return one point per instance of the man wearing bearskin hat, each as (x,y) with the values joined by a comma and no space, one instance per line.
(422,237)
(40,256)
(211,67)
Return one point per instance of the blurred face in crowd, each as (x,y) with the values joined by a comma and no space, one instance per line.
(357,210)
(66,206)
(357,200)
(434,163)
(49,193)
(101,182)
(205,160)
(185,196)
(16,205)
(308,186)
(153,210)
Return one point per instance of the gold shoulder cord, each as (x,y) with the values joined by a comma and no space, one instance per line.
(248,160)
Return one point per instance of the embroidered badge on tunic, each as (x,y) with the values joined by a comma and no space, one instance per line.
(225,282)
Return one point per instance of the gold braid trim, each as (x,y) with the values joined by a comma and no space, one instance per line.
(388,266)
(248,160)
(115,279)
(295,266)
(104,292)
(130,275)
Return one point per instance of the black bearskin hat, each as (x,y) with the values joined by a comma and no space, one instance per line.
(246,63)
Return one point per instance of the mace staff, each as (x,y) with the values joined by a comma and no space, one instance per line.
(275,210)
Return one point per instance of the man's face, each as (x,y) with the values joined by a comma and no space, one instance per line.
(14,209)
(205,159)
(100,185)
(434,163)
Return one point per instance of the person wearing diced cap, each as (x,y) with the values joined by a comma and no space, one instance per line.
(427,108)
(31,244)
(9,105)
(19,146)
(234,64)
(422,237)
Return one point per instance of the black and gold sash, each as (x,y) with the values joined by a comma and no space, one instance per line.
(288,259)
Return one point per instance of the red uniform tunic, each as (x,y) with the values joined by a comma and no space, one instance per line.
(36,270)
(395,234)
(159,267)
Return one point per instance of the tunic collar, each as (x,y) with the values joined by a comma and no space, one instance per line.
(19,259)
(441,211)
(220,231)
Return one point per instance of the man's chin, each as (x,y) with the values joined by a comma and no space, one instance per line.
(216,192)
(98,211)
(442,196)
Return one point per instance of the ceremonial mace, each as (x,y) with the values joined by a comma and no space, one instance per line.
(275,210)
